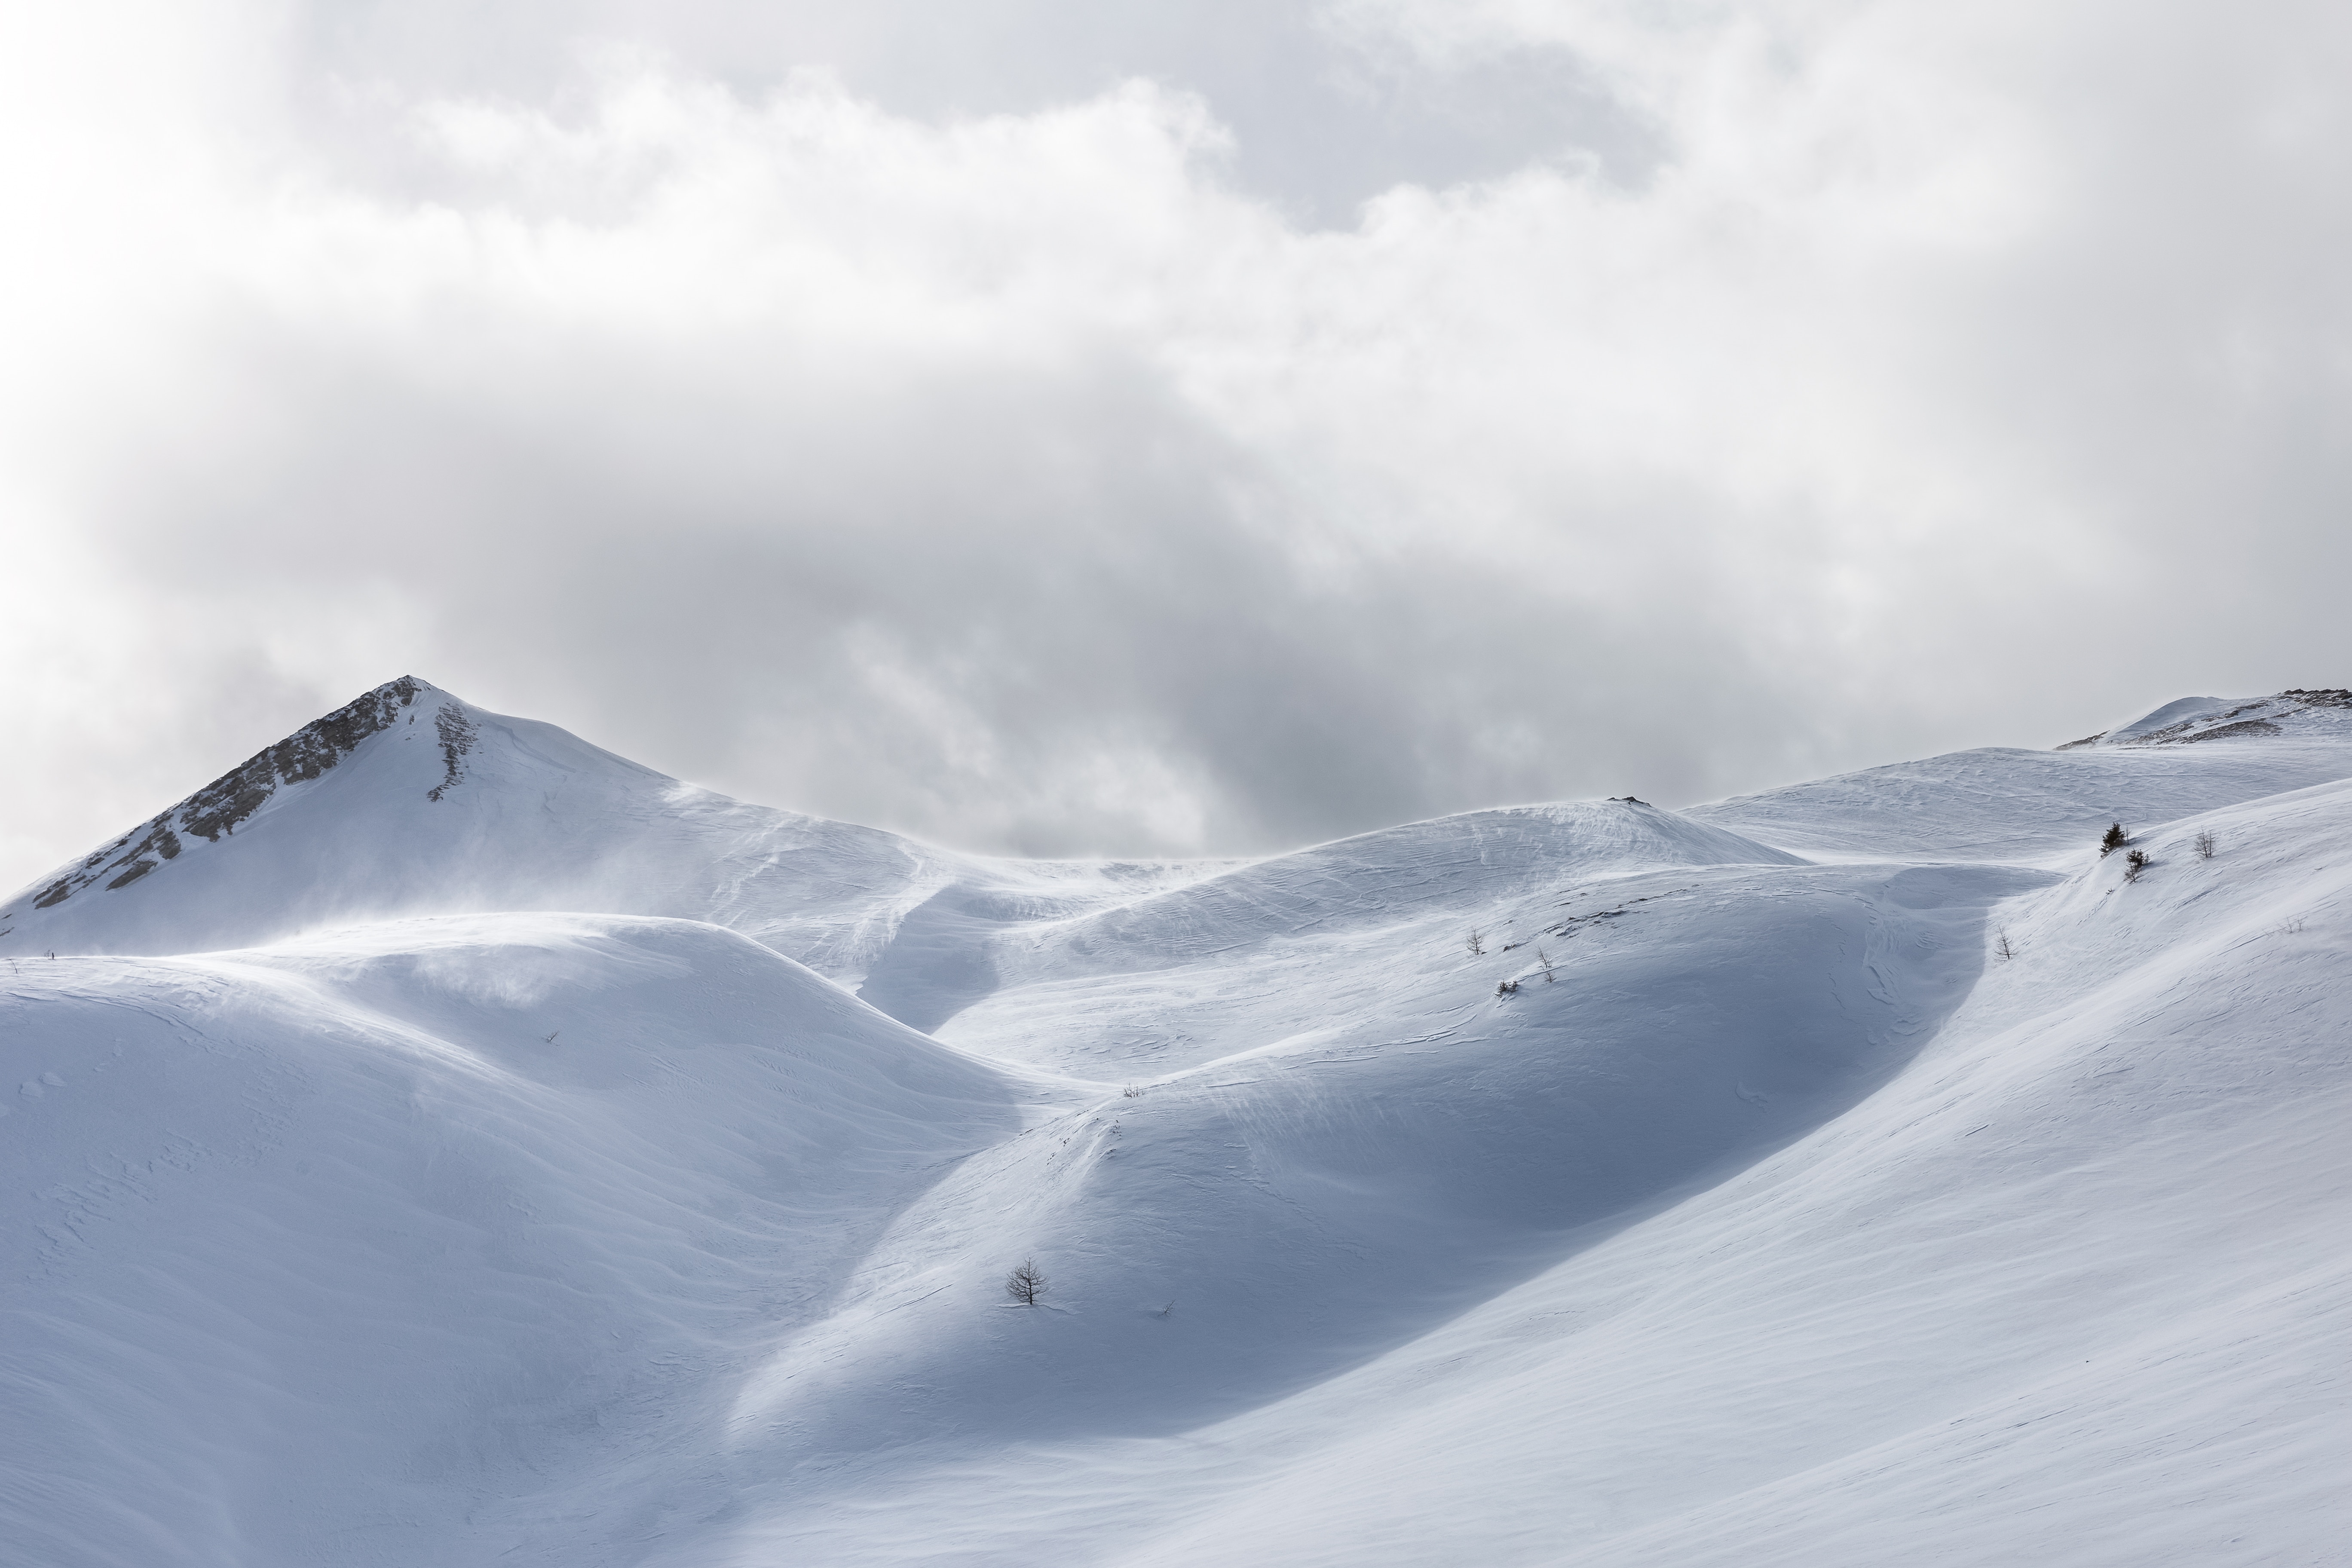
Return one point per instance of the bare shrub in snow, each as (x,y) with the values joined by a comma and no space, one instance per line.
(2205,845)
(2115,839)
(2135,863)
(1132,1091)
(1477,943)
(1545,959)
(1507,988)
(2004,949)
(1026,1283)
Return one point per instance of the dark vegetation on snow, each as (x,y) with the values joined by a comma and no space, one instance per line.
(1026,1283)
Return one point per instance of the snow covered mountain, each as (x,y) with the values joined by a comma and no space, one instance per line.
(408,801)
(442,1141)
(2191,719)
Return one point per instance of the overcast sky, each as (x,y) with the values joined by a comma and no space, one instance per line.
(1103,427)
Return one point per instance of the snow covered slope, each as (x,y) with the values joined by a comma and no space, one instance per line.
(314,1251)
(2074,1287)
(2037,807)
(1866,1172)
(2326,713)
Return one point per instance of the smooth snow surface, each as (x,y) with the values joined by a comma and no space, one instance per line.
(579,1168)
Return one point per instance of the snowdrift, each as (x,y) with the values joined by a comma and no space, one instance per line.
(315,1250)
(1864,1172)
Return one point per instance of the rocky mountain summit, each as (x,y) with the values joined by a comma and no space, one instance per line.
(216,809)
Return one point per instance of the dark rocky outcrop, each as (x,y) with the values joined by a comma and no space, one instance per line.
(456,732)
(214,811)
(2243,727)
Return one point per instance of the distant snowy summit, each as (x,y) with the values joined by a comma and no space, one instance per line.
(2323,712)
(411,801)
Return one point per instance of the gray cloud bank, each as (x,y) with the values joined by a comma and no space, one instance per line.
(1065,428)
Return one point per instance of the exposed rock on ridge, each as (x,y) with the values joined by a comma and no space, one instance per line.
(456,732)
(2244,720)
(216,810)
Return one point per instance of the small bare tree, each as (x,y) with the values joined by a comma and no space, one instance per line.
(2003,948)
(2135,863)
(1545,959)
(2205,845)
(2114,839)
(1026,1283)
(1478,942)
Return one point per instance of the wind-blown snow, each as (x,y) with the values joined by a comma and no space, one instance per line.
(1738,1201)
(448,808)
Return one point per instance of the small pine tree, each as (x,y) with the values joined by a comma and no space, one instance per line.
(2115,840)
(2135,863)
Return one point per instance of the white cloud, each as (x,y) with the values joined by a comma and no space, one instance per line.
(1023,479)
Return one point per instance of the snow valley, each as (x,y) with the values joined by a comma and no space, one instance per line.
(441,1142)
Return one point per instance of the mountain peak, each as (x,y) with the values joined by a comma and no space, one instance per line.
(216,809)
(408,800)
(2296,710)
